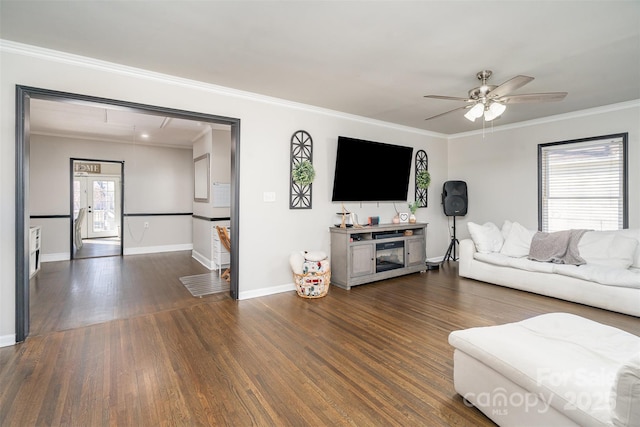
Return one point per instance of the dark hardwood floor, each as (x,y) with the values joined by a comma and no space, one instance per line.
(154,355)
(69,294)
(99,247)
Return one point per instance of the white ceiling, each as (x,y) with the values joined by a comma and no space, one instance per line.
(370,58)
(103,122)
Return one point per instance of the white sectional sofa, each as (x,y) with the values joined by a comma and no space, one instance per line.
(610,279)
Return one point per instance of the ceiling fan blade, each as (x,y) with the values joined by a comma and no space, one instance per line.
(509,86)
(533,97)
(449,98)
(447,112)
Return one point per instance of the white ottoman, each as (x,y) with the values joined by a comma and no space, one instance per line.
(556,369)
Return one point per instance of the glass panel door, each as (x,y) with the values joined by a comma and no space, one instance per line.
(103,215)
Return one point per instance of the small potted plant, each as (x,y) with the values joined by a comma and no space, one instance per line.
(303,173)
(413,207)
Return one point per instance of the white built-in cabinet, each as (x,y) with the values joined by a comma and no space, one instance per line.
(35,234)
(220,255)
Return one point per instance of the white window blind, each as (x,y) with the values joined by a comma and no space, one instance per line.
(582,184)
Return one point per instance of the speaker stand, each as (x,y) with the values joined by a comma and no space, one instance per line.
(452,246)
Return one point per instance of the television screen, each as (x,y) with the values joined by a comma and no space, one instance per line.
(368,171)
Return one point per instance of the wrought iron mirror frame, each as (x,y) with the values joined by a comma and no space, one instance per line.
(422,164)
(301,150)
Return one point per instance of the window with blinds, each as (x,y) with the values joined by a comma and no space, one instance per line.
(583,184)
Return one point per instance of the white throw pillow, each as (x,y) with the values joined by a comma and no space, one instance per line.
(633,233)
(315,256)
(518,241)
(607,248)
(621,252)
(486,237)
(296,260)
(506,228)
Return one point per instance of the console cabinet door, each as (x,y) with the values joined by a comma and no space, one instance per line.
(415,252)
(362,260)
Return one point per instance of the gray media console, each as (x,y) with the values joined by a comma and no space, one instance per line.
(378,252)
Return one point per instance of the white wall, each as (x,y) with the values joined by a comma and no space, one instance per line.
(216,143)
(157,180)
(269,231)
(221,162)
(501,168)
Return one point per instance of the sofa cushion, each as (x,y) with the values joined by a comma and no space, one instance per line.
(518,241)
(608,248)
(521,263)
(610,276)
(486,237)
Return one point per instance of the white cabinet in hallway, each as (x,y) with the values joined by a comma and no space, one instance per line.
(34,250)
(221,256)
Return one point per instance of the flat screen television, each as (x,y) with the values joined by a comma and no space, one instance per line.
(368,171)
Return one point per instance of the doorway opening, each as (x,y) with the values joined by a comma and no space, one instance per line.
(96,208)
(24,95)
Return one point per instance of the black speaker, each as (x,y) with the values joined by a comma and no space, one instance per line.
(454,198)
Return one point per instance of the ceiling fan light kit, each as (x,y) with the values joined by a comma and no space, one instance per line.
(494,111)
(475,112)
(489,101)
(491,110)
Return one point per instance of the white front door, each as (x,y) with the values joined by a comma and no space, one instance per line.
(103,210)
(80,201)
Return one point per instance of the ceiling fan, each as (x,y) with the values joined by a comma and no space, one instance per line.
(490,100)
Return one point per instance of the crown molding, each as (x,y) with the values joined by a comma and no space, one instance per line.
(92,63)
(97,64)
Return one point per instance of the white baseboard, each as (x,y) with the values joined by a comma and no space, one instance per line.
(158,249)
(7,340)
(202,259)
(286,288)
(266,291)
(64,256)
